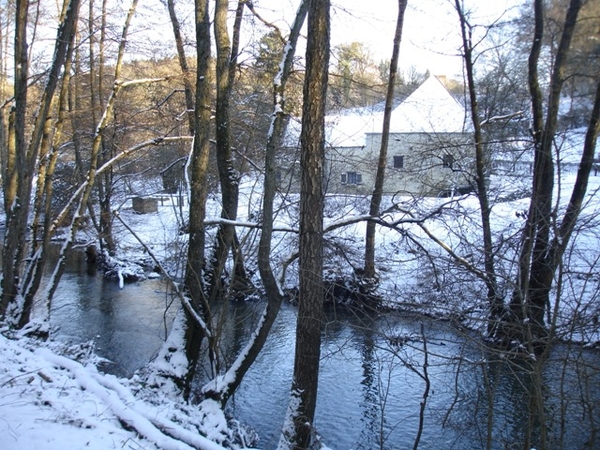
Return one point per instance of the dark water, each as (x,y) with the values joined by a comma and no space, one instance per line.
(372,373)
(127,325)
(370,391)
(367,393)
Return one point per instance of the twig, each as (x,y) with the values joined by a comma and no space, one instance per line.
(275,28)
(11,380)
(425,377)
(44,377)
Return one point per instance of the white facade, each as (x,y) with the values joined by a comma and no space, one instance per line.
(428,151)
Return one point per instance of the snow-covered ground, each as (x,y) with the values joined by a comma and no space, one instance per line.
(53,397)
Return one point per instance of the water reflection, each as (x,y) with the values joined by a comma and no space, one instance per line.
(127,325)
(372,420)
(369,398)
(371,381)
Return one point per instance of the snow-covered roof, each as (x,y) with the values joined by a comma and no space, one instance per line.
(429,109)
(346,128)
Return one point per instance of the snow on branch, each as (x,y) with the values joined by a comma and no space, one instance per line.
(331,227)
(502,118)
(125,84)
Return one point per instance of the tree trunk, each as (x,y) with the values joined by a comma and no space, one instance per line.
(195,264)
(188,87)
(536,267)
(494,300)
(105,182)
(298,430)
(224,387)
(15,226)
(228,176)
(23,156)
(369,270)
(272,289)
(43,198)
(86,189)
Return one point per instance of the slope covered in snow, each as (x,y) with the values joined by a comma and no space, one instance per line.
(53,398)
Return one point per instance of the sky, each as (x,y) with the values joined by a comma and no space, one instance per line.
(430,39)
(431,36)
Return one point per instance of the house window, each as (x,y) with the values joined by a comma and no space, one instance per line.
(351,178)
(448,161)
(398,162)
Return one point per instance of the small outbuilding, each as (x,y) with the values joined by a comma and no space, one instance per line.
(144,205)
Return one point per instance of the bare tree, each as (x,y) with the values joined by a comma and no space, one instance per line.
(195,264)
(223,387)
(229,178)
(105,182)
(187,73)
(84,192)
(369,269)
(545,238)
(22,153)
(42,202)
(270,284)
(298,429)
(481,167)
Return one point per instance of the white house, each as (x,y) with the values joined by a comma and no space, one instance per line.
(428,150)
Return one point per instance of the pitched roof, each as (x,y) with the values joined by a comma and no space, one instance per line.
(429,109)
(346,128)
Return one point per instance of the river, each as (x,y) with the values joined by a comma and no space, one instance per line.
(372,378)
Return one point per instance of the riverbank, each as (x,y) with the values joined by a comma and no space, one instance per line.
(53,398)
